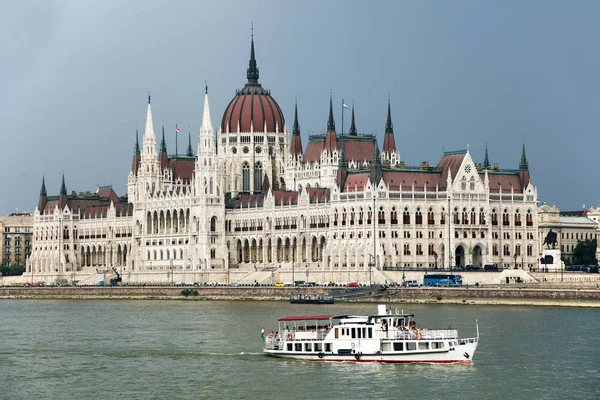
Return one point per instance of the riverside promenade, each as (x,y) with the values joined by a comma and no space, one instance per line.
(501,295)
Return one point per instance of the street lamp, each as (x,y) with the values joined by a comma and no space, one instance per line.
(562,266)
(515,257)
(435,257)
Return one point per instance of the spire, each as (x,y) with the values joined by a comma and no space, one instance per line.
(149,125)
(163,145)
(331,122)
(342,161)
(206,127)
(252,71)
(63,187)
(376,171)
(136,148)
(296,128)
(352,124)
(523,165)
(189,149)
(389,127)
(43,192)
(389,142)
(486,160)
(296,145)
(265,183)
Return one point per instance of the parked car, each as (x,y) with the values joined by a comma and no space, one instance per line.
(472,267)
(280,284)
(410,284)
(490,267)
(353,284)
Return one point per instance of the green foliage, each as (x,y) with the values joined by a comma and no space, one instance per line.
(189,292)
(7,270)
(439,298)
(585,252)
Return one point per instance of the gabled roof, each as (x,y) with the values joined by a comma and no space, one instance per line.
(450,162)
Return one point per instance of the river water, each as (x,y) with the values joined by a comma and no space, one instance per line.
(105,349)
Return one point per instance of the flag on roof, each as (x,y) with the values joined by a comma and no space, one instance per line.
(176,129)
(344,105)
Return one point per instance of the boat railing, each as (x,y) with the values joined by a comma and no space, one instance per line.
(433,334)
(467,340)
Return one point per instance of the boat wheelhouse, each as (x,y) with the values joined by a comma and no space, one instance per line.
(384,337)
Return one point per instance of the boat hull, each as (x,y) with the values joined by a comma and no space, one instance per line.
(460,354)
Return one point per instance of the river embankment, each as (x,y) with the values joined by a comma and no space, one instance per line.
(509,295)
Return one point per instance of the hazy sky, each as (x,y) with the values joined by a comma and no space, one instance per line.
(74,77)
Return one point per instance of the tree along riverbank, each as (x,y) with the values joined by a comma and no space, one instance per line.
(509,295)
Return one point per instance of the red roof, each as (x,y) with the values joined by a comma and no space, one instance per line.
(307,318)
(450,163)
(358,150)
(253,105)
(183,168)
(313,151)
(406,179)
(505,182)
(356,182)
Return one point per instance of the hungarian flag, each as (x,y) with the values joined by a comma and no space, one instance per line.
(344,105)
(262,332)
(177,129)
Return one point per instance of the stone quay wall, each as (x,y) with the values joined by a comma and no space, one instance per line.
(500,295)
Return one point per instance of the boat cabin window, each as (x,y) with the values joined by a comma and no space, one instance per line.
(308,347)
(423,345)
(398,346)
(353,333)
(327,346)
(370,333)
(318,346)
(337,333)
(411,346)
(437,345)
(298,346)
(289,347)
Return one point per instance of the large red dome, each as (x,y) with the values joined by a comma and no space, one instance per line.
(253,105)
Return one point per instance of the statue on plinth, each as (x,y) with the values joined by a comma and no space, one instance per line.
(550,239)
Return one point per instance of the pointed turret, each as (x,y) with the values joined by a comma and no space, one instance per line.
(163,158)
(43,197)
(523,164)
(265,184)
(135,164)
(189,152)
(352,131)
(206,144)
(62,199)
(63,187)
(331,137)
(342,172)
(524,169)
(149,124)
(486,160)
(252,71)
(389,142)
(296,145)
(376,170)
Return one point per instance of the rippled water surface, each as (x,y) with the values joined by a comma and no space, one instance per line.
(212,349)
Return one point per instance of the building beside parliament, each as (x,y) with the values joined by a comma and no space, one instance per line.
(253,201)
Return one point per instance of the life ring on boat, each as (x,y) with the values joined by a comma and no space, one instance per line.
(320,354)
(357,356)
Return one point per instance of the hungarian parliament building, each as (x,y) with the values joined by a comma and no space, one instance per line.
(253,201)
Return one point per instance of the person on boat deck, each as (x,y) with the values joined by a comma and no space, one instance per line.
(384,325)
(412,323)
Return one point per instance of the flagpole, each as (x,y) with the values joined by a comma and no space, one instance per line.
(175,140)
(342,117)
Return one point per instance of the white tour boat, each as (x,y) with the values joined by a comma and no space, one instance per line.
(384,337)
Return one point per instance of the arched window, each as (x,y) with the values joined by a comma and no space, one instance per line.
(258,177)
(406,216)
(472,183)
(418,217)
(245,177)
(517,218)
(213,224)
